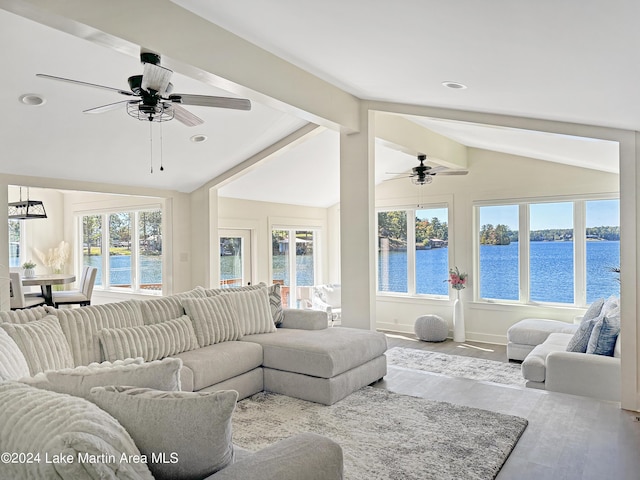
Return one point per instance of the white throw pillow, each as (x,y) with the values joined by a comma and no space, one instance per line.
(214,319)
(151,342)
(191,429)
(34,421)
(13,364)
(159,374)
(254,311)
(42,343)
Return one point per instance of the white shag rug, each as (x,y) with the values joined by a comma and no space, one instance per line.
(456,366)
(388,436)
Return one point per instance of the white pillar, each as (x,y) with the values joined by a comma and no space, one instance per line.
(357,225)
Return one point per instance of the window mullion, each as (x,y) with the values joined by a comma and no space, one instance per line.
(524,251)
(411,252)
(135,252)
(580,252)
(106,242)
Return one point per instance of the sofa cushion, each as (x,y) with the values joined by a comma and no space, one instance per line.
(319,353)
(26,315)
(219,362)
(48,423)
(534,331)
(215,319)
(81,326)
(42,343)
(605,334)
(151,342)
(13,364)
(533,367)
(159,374)
(192,430)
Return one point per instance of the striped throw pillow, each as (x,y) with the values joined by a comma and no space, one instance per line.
(214,319)
(13,364)
(151,342)
(42,343)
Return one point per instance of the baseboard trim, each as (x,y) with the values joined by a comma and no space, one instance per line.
(471,336)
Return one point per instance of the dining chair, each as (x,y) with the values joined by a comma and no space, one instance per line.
(82,296)
(17,298)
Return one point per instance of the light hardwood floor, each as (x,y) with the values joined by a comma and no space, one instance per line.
(568,437)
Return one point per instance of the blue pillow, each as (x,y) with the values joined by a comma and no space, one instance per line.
(605,334)
(580,339)
(594,310)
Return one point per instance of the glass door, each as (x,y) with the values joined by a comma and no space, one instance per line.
(293,263)
(235,258)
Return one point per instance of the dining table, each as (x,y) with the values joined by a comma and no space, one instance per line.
(46,282)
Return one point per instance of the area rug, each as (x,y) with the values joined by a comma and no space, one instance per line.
(456,366)
(388,436)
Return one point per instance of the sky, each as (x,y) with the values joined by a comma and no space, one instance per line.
(553,215)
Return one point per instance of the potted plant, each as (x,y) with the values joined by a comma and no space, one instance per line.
(29,269)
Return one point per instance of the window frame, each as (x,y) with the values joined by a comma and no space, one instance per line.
(135,247)
(524,229)
(22,243)
(410,211)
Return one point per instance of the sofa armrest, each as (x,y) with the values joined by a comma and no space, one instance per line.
(595,376)
(306,456)
(304,319)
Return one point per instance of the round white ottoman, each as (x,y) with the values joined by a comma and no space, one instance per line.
(431,328)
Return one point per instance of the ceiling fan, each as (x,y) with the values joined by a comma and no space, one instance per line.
(423,174)
(150,98)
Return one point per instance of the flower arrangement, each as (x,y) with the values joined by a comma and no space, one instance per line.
(56,257)
(456,279)
(28,265)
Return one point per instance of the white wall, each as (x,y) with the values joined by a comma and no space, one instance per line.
(493,176)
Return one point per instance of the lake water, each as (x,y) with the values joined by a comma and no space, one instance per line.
(120,269)
(551,268)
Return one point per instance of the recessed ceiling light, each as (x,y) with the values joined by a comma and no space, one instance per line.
(199,138)
(454,85)
(32,99)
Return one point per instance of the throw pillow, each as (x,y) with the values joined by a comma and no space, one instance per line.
(580,339)
(275,303)
(50,424)
(25,315)
(42,343)
(214,319)
(161,309)
(159,374)
(174,424)
(605,333)
(151,342)
(594,310)
(254,311)
(13,364)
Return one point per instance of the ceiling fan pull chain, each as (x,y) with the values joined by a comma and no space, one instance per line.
(151,144)
(161,150)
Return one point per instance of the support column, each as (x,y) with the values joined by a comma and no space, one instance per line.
(357,225)
(205,268)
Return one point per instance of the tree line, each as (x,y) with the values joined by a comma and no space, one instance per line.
(502,235)
(393,225)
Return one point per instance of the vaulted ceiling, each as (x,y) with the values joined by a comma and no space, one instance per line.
(571,62)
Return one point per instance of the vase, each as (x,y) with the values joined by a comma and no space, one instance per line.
(29,272)
(458,320)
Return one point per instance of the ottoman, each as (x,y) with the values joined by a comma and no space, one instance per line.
(525,335)
(431,328)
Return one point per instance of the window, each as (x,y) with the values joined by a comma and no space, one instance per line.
(413,256)
(293,267)
(554,252)
(16,244)
(133,240)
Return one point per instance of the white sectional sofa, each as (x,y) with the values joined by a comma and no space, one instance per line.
(216,340)
(567,357)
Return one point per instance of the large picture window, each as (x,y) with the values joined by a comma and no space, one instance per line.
(125,247)
(555,252)
(413,255)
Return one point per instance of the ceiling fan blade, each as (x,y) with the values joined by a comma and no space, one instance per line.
(156,78)
(108,107)
(86,84)
(185,116)
(210,101)
(451,172)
